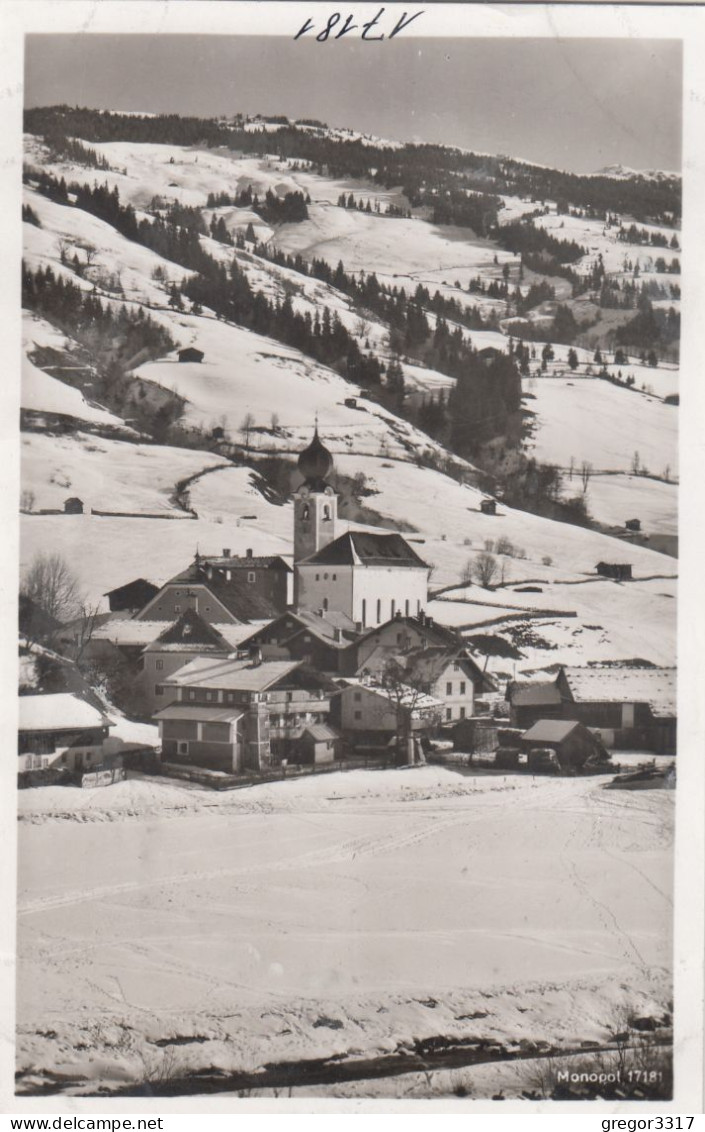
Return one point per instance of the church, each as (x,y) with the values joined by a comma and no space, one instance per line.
(368,575)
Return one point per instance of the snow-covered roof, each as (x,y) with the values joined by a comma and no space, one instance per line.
(61,711)
(128,631)
(607,683)
(199,712)
(525,695)
(237,675)
(403,694)
(551,730)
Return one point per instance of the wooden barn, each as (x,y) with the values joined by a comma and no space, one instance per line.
(619,571)
(191,354)
(132,597)
(73,506)
(573,744)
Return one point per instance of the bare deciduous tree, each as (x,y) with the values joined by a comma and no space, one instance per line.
(405,691)
(51,594)
(248,423)
(636,464)
(27,500)
(485,569)
(585,473)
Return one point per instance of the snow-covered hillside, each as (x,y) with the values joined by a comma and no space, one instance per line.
(279,392)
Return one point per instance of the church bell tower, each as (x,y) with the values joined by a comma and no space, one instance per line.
(315,501)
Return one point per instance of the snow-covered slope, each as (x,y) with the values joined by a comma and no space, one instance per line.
(244,375)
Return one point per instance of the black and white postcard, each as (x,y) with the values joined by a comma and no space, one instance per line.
(356,358)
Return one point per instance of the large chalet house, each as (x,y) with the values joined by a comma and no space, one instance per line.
(629,707)
(222,594)
(242,713)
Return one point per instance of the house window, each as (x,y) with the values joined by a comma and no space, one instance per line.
(159,665)
(456,668)
(210,696)
(462,713)
(449,689)
(159,689)
(183,748)
(358,715)
(318,577)
(192,694)
(357,696)
(250,576)
(449,713)
(334,577)
(325,577)
(462,687)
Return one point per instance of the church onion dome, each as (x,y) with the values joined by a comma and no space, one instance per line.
(315,462)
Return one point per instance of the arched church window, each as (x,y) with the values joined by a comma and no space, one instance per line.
(326,512)
(306,511)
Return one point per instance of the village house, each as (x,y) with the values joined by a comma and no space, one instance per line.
(215,598)
(73,506)
(322,640)
(372,716)
(187,638)
(401,634)
(632,707)
(61,731)
(265,574)
(368,575)
(240,713)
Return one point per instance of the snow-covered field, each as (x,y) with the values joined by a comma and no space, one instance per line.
(109,475)
(614,499)
(593,420)
(339,914)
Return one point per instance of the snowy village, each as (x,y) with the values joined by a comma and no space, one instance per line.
(347,634)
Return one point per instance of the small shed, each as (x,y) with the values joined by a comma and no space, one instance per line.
(318,743)
(488,506)
(619,571)
(573,743)
(351,402)
(633,524)
(190,354)
(73,506)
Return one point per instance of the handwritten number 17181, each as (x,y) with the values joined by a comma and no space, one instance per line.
(333,20)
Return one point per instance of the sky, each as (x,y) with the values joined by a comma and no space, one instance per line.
(576,104)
